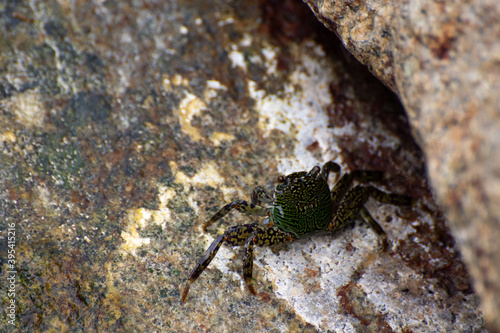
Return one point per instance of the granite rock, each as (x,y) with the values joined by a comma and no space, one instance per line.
(365,29)
(445,66)
(124,125)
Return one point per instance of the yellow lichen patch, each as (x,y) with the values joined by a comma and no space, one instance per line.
(166,83)
(28,108)
(139,218)
(207,175)
(131,240)
(165,194)
(7,136)
(163,215)
(218,137)
(189,106)
(177,80)
(212,89)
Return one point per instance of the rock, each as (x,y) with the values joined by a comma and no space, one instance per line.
(366,30)
(124,125)
(445,61)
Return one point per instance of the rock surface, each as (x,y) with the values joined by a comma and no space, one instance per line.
(443,60)
(366,30)
(124,125)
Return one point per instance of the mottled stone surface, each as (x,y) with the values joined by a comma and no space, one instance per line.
(366,30)
(445,61)
(448,77)
(124,125)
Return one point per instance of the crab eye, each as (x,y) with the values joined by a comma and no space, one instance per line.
(281,179)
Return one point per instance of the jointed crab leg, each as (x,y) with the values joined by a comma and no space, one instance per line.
(345,182)
(352,205)
(261,236)
(366,216)
(252,208)
(329,167)
(248,264)
(235,236)
(247,235)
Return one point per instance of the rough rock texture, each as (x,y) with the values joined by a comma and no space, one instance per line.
(443,60)
(125,124)
(365,29)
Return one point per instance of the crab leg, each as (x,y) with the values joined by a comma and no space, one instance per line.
(329,167)
(262,237)
(345,182)
(352,205)
(235,236)
(252,208)
(247,235)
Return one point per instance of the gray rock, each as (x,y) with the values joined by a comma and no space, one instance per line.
(442,59)
(124,125)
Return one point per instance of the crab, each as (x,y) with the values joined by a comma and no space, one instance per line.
(302,205)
